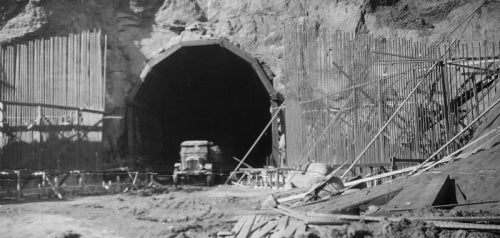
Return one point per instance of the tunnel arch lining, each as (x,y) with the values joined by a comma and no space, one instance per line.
(180,55)
(223,43)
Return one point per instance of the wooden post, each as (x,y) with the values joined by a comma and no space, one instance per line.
(151,179)
(135,180)
(39,190)
(355,131)
(446,110)
(416,140)
(1,133)
(277,178)
(78,138)
(249,178)
(275,155)
(255,142)
(18,186)
(39,117)
(282,151)
(80,179)
(1,117)
(371,174)
(381,119)
(97,164)
(56,181)
(393,166)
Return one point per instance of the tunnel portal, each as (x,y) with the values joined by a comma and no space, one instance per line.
(201,90)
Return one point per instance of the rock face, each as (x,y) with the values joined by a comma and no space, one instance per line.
(21,18)
(137,29)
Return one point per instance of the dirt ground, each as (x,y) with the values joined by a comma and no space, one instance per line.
(190,211)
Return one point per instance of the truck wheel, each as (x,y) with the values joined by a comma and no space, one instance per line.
(210,179)
(176,179)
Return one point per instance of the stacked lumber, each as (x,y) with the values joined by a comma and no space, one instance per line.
(292,223)
(302,211)
(256,226)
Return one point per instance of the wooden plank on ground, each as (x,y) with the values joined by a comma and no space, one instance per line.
(301,230)
(259,224)
(292,197)
(291,228)
(264,230)
(245,230)
(282,224)
(258,220)
(237,227)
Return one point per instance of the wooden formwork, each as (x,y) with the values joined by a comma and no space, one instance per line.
(365,99)
(52,95)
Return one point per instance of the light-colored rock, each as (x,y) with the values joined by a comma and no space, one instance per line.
(300,180)
(320,169)
(269,203)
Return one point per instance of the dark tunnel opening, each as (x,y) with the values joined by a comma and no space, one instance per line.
(203,92)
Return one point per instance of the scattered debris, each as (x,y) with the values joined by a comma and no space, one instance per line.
(380,211)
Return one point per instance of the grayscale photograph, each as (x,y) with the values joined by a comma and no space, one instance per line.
(249,118)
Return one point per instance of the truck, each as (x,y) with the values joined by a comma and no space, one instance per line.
(200,159)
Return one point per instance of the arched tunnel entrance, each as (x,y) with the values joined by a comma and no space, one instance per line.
(200,90)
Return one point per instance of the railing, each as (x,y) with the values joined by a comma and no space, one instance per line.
(48,183)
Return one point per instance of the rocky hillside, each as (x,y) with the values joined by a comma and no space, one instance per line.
(139,28)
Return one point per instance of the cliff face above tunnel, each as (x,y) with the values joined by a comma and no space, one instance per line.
(138,29)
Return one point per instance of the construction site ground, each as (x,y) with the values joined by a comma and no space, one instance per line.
(189,211)
(200,211)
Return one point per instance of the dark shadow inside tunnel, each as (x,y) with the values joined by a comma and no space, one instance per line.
(201,92)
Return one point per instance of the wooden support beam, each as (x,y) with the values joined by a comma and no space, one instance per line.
(379,176)
(275,153)
(417,85)
(482,70)
(446,110)
(456,136)
(381,144)
(325,130)
(53,187)
(61,182)
(242,162)
(256,141)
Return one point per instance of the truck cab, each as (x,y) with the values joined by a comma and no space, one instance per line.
(199,158)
